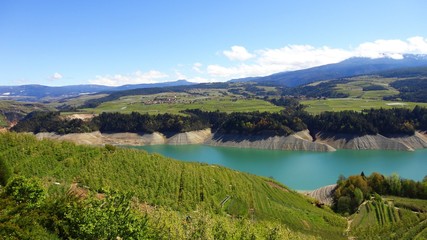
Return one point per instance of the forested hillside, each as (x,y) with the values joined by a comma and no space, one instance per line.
(292,119)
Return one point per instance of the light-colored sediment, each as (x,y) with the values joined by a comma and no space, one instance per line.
(323,195)
(366,142)
(416,141)
(300,141)
(193,137)
(293,142)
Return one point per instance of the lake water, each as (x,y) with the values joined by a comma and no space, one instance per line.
(302,170)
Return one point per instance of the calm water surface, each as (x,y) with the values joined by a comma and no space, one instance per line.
(302,170)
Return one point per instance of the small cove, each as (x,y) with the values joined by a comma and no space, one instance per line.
(300,169)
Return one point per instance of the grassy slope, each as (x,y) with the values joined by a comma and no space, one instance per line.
(166,182)
(386,220)
(20,108)
(356,104)
(184,101)
(359,99)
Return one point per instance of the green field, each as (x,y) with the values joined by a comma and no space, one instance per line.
(390,220)
(354,88)
(355,104)
(188,189)
(176,102)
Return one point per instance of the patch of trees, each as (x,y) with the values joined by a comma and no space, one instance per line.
(292,119)
(52,122)
(413,90)
(136,122)
(373,121)
(346,122)
(252,123)
(374,88)
(352,191)
(325,89)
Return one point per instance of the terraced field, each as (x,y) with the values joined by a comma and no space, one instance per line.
(176,102)
(355,104)
(159,181)
(385,220)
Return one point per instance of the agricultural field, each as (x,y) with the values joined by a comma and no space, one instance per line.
(159,181)
(355,87)
(75,101)
(355,104)
(386,220)
(175,102)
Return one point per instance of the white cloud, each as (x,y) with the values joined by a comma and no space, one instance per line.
(135,78)
(392,48)
(296,57)
(56,76)
(197,66)
(263,62)
(238,53)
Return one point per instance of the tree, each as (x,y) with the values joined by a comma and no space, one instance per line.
(395,184)
(358,196)
(109,218)
(25,190)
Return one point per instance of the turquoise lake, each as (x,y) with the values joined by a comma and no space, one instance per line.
(302,170)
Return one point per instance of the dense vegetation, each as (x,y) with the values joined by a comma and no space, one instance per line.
(292,119)
(383,121)
(177,200)
(321,90)
(136,122)
(52,122)
(388,218)
(413,90)
(352,191)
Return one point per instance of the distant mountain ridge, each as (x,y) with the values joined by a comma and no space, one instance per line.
(347,68)
(38,92)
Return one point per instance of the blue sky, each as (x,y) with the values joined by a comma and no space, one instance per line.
(55,42)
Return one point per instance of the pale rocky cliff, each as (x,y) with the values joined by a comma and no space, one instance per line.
(298,142)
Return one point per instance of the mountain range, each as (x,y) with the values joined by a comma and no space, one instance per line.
(39,92)
(348,68)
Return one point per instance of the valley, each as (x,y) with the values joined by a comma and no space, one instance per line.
(242,148)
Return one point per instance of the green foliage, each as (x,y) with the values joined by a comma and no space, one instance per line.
(52,122)
(26,191)
(177,186)
(109,218)
(351,191)
(22,210)
(385,220)
(413,90)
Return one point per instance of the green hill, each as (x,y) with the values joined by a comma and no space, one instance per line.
(211,195)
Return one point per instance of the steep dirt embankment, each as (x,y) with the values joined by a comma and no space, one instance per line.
(300,141)
(323,195)
(374,142)
(134,139)
(193,137)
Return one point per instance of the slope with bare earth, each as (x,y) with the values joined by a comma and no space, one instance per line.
(371,142)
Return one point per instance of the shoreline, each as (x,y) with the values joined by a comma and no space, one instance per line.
(300,141)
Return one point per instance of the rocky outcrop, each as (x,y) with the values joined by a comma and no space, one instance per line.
(193,137)
(93,138)
(324,194)
(300,141)
(416,141)
(366,142)
(134,139)
(297,142)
